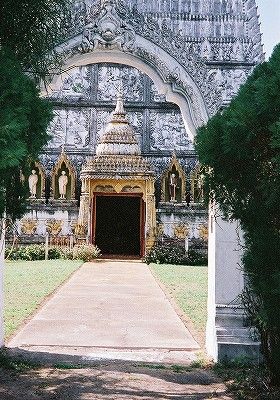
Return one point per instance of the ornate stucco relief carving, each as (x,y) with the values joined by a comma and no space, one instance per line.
(219,32)
(146,50)
(109,78)
(70,127)
(168,132)
(107,31)
(75,85)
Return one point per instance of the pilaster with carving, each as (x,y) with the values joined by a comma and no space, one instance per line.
(151,224)
(83,226)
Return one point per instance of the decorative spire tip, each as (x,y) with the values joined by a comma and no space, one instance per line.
(119,106)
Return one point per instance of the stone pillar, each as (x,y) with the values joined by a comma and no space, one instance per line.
(227,337)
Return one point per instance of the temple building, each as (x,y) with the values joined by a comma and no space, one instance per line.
(120,170)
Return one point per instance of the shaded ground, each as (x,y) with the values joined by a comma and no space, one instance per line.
(111,381)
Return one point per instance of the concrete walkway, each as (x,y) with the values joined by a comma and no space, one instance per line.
(109,310)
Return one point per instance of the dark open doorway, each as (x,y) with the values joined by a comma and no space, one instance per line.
(118,224)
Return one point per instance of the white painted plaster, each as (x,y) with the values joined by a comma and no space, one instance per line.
(225,277)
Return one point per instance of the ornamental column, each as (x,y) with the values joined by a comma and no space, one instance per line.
(227,336)
(82,228)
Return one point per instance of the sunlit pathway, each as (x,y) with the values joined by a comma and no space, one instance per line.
(109,310)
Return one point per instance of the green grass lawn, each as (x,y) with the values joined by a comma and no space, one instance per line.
(27,283)
(188,286)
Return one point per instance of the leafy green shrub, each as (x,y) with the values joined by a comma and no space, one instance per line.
(55,252)
(174,254)
(10,253)
(196,258)
(27,253)
(66,253)
(34,252)
(86,252)
(165,254)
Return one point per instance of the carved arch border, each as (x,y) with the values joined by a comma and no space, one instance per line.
(170,78)
(63,158)
(174,162)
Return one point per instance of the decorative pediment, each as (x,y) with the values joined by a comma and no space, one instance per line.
(108,31)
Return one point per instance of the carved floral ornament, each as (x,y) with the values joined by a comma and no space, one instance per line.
(28,226)
(203,232)
(108,31)
(159,229)
(119,188)
(113,186)
(181,230)
(117,167)
(54,226)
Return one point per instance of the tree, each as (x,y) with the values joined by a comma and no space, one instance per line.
(31,29)
(24,118)
(241,149)
(29,32)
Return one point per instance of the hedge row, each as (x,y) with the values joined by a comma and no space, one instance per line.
(37,252)
(174,254)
